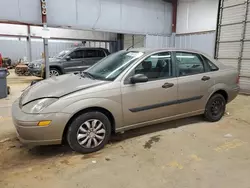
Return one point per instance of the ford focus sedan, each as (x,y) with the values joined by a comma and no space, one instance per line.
(126,90)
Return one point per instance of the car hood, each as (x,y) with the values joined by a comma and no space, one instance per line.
(51,60)
(58,87)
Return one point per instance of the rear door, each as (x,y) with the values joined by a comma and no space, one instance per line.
(75,63)
(194,81)
(91,56)
(152,100)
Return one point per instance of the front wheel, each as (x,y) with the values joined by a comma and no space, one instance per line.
(215,108)
(89,132)
(54,72)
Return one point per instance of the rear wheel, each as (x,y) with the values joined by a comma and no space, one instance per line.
(215,108)
(89,132)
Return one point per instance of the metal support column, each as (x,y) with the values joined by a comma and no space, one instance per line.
(45,38)
(29,52)
(243,35)
(172,43)
(46,56)
(218,30)
(133,41)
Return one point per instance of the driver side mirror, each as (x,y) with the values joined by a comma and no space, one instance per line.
(138,78)
(68,58)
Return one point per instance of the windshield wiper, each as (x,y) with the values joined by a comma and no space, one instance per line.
(88,75)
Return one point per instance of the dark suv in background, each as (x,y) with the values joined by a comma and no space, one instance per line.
(67,61)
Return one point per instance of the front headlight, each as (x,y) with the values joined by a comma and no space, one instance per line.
(38,105)
(38,65)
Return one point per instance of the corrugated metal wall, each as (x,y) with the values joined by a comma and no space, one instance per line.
(154,41)
(203,42)
(13,47)
(134,40)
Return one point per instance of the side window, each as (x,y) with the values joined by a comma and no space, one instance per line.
(189,63)
(94,53)
(77,54)
(211,66)
(156,66)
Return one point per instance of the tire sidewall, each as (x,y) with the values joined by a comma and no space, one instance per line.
(77,122)
(208,114)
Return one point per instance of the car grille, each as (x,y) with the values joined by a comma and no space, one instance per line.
(30,65)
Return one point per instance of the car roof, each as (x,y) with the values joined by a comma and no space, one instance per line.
(83,47)
(152,50)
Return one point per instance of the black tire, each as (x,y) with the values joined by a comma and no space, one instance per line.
(8,90)
(215,108)
(73,131)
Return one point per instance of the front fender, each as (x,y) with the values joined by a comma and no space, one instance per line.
(57,65)
(113,107)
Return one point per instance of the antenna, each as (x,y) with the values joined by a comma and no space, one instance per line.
(133,45)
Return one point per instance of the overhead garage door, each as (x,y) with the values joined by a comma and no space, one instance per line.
(233,38)
(136,41)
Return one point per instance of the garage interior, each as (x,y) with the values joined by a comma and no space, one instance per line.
(184,153)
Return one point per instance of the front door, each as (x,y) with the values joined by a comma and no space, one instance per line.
(75,63)
(152,100)
(194,82)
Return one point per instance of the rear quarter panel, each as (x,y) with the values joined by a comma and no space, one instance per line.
(226,79)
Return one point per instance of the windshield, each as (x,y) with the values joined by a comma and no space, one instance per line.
(113,65)
(62,53)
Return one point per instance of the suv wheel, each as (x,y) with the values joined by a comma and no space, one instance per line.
(54,72)
(89,132)
(215,108)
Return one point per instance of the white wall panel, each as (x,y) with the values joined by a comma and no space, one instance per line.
(229,50)
(120,16)
(21,10)
(245,68)
(233,14)
(231,32)
(12,29)
(232,2)
(233,46)
(196,15)
(203,42)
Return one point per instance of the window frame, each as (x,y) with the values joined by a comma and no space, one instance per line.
(130,72)
(97,51)
(177,64)
(207,64)
(101,51)
(75,52)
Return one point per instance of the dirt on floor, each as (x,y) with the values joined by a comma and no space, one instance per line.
(185,153)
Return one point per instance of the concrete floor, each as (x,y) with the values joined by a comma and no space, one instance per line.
(184,153)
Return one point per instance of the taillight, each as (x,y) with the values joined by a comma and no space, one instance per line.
(238,79)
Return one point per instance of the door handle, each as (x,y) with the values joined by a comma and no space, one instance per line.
(167,85)
(205,78)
